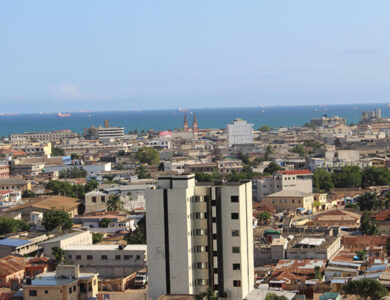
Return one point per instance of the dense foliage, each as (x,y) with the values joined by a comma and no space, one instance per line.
(58,254)
(272,296)
(10,225)
(299,149)
(368,225)
(97,237)
(366,288)
(104,223)
(375,176)
(138,236)
(347,177)
(271,168)
(28,194)
(56,219)
(322,181)
(73,172)
(115,203)
(143,172)
(148,156)
(67,189)
(56,151)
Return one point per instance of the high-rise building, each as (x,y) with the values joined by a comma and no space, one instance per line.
(199,235)
(240,132)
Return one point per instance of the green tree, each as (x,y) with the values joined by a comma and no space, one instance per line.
(366,288)
(10,225)
(104,223)
(300,149)
(322,180)
(316,204)
(347,177)
(272,296)
(109,177)
(361,254)
(143,172)
(369,201)
(368,225)
(317,273)
(148,156)
(375,176)
(268,151)
(97,237)
(67,189)
(28,194)
(264,216)
(209,294)
(56,219)
(265,128)
(203,177)
(73,172)
(271,168)
(91,185)
(74,156)
(138,236)
(115,203)
(56,151)
(58,254)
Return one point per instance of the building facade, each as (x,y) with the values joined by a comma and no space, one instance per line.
(199,236)
(240,132)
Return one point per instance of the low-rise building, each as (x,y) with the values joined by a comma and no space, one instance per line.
(21,245)
(67,283)
(69,239)
(95,201)
(340,218)
(110,261)
(14,184)
(290,200)
(4,171)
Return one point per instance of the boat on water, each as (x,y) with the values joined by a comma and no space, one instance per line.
(61,115)
(7,114)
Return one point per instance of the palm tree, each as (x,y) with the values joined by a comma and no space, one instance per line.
(209,294)
(114,203)
(142,172)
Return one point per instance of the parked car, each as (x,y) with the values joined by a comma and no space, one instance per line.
(141,279)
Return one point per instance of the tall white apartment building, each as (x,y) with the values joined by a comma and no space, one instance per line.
(199,235)
(240,132)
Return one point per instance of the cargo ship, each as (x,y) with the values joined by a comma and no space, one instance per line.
(63,115)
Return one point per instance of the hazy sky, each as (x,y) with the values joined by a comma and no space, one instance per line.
(95,54)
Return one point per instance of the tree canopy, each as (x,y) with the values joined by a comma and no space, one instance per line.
(10,225)
(73,172)
(372,176)
(272,296)
(67,189)
(265,128)
(115,203)
(366,288)
(347,177)
(56,219)
(148,156)
(368,225)
(28,194)
(271,168)
(57,151)
(322,180)
(97,237)
(143,172)
(300,149)
(58,254)
(138,236)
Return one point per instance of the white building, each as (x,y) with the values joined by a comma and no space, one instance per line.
(240,132)
(199,236)
(294,180)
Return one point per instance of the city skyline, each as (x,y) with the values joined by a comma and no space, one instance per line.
(156,55)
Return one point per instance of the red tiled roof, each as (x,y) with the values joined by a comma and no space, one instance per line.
(296,172)
(363,241)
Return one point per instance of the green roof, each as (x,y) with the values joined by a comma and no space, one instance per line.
(271,231)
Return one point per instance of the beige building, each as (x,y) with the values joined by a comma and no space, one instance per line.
(110,261)
(294,180)
(199,236)
(67,283)
(290,200)
(95,201)
(14,184)
(74,238)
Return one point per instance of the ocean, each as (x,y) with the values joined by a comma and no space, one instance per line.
(276,116)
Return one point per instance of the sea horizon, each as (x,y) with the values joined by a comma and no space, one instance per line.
(170,119)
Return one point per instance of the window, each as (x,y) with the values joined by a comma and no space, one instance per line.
(32,293)
(235,233)
(104,257)
(138,257)
(94,199)
(117,257)
(46,292)
(89,257)
(126,257)
(236,249)
(78,257)
(103,198)
(70,256)
(237,283)
(70,290)
(234,199)
(74,288)
(234,216)
(236,266)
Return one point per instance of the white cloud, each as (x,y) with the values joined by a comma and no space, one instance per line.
(67,91)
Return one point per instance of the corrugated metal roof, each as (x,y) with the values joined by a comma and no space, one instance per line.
(14,242)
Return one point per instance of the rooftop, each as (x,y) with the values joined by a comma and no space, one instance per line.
(111,247)
(296,172)
(14,242)
(287,193)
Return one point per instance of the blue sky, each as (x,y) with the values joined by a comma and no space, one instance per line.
(106,55)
